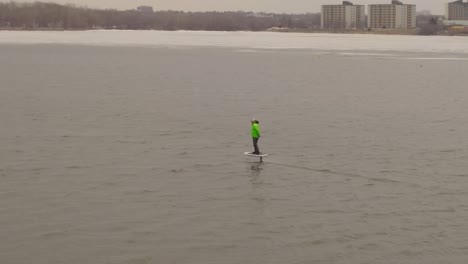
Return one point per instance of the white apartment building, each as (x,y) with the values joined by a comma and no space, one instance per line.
(345,16)
(392,16)
(457,10)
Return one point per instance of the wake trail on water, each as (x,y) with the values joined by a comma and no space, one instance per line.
(354,175)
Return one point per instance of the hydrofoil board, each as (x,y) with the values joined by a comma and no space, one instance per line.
(254,155)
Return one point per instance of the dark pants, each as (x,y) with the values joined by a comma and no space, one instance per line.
(255,143)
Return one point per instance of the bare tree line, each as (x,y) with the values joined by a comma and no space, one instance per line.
(429,24)
(41,15)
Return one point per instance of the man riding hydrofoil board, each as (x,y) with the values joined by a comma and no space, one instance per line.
(255,136)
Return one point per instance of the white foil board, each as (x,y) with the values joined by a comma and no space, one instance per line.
(253,155)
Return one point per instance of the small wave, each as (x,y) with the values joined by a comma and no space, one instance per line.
(75,167)
(367,54)
(433,58)
(247,51)
(448,150)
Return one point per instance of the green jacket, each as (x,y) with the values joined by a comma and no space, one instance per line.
(255,130)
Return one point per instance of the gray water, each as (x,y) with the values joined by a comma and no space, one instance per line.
(134,155)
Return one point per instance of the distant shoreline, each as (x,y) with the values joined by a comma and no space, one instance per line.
(350,31)
(44,16)
(412,32)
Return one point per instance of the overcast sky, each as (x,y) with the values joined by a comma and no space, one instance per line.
(277,6)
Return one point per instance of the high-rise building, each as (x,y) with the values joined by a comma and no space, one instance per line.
(145,9)
(393,16)
(457,10)
(345,16)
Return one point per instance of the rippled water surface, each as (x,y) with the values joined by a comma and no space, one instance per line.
(131,154)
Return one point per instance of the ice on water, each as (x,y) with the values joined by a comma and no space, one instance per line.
(245,40)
